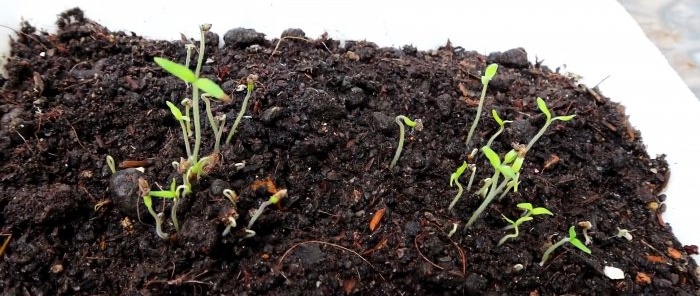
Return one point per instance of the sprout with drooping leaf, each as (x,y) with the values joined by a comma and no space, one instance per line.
(485,79)
(183,120)
(148,201)
(501,126)
(417,125)
(571,239)
(454,179)
(527,216)
(232,215)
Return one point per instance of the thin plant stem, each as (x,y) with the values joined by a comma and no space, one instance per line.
(244,106)
(402,131)
(478,114)
(456,198)
(212,120)
(173,213)
(552,248)
(195,98)
(487,201)
(538,135)
(258,212)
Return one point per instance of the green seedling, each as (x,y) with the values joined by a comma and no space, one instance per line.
(500,168)
(527,216)
(250,85)
(111,165)
(417,125)
(175,193)
(501,126)
(571,239)
(543,108)
(488,75)
(184,73)
(147,200)
(183,120)
(454,179)
(274,199)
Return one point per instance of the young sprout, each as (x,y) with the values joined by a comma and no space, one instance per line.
(175,193)
(184,73)
(624,233)
(501,126)
(183,120)
(453,230)
(543,107)
(500,168)
(488,75)
(586,225)
(454,178)
(145,194)
(527,216)
(233,215)
(417,125)
(275,198)
(250,85)
(111,165)
(515,225)
(571,239)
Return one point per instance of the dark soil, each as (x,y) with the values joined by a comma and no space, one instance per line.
(321,126)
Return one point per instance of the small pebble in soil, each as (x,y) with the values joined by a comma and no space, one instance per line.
(124,188)
(516,58)
(241,37)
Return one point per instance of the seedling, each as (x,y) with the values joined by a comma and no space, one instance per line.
(417,125)
(527,216)
(571,240)
(233,215)
(158,217)
(454,179)
(184,73)
(250,85)
(586,225)
(488,75)
(499,168)
(274,199)
(624,233)
(543,107)
(501,126)
(110,164)
(183,120)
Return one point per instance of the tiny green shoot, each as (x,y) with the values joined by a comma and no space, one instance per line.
(488,75)
(183,124)
(417,125)
(147,200)
(543,108)
(454,178)
(501,126)
(250,85)
(571,239)
(111,165)
(527,216)
(275,198)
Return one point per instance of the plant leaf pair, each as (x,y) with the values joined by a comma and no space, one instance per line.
(184,73)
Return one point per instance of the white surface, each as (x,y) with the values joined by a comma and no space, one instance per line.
(594,38)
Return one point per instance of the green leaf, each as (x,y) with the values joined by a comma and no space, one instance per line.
(543,107)
(540,211)
(507,171)
(489,73)
(525,206)
(518,164)
(510,156)
(572,232)
(564,118)
(177,70)
(163,194)
(458,173)
(175,111)
(147,201)
(577,243)
(492,156)
(210,87)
